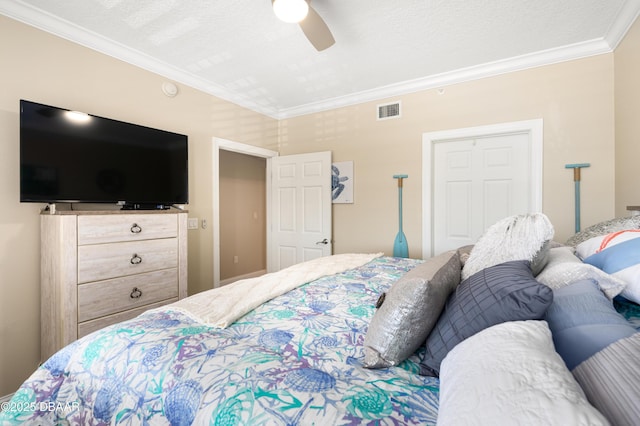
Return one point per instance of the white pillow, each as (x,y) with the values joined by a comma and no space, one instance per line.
(519,237)
(601,242)
(617,254)
(510,374)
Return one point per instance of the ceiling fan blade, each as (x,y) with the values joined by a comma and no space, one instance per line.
(317,30)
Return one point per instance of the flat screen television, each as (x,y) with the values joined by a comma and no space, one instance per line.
(72,157)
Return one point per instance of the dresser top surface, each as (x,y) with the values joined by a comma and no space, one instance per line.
(58,212)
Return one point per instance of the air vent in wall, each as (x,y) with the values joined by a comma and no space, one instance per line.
(388,111)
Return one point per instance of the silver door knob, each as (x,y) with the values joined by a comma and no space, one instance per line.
(325,241)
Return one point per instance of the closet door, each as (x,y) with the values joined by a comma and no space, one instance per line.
(476,182)
(475,176)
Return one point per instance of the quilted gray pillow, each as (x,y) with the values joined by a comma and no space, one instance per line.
(410,309)
(500,293)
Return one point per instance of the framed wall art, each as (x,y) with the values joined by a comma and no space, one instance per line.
(342,182)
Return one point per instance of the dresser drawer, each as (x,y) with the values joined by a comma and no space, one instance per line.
(107,297)
(95,229)
(87,327)
(103,261)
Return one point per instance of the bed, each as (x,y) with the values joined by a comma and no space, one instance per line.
(295,359)
(302,353)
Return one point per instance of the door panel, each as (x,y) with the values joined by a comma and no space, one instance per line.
(458,199)
(301,187)
(287,212)
(476,182)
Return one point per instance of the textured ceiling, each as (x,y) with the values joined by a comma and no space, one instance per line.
(238,50)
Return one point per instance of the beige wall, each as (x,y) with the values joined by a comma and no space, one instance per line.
(627,111)
(575,99)
(242,214)
(42,68)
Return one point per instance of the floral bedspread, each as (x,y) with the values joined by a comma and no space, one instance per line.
(295,360)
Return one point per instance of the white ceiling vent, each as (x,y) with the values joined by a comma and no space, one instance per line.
(388,111)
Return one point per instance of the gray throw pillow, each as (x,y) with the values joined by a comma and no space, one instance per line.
(500,293)
(605,227)
(610,380)
(565,268)
(409,311)
(464,252)
(583,321)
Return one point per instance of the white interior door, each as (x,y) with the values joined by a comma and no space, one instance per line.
(301,208)
(475,177)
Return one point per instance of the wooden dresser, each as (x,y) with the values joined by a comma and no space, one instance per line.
(100,268)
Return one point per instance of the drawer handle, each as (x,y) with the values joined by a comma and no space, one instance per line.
(136,229)
(136,259)
(136,293)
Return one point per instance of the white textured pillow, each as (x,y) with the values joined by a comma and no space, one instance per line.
(510,374)
(564,268)
(520,237)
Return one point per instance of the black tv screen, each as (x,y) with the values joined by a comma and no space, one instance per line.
(67,156)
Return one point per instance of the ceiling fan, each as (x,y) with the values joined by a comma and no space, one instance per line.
(312,24)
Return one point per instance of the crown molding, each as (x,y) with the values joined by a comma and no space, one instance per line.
(519,63)
(44,21)
(627,16)
(69,31)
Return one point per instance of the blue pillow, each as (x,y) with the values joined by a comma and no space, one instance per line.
(500,293)
(583,321)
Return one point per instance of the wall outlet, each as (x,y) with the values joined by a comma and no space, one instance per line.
(235,259)
(192,223)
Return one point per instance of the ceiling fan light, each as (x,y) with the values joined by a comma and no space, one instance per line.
(291,10)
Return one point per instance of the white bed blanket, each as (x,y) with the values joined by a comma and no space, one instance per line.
(220,307)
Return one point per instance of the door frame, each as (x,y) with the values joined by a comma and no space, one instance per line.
(533,127)
(241,148)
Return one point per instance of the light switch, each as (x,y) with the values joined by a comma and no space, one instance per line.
(192,223)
